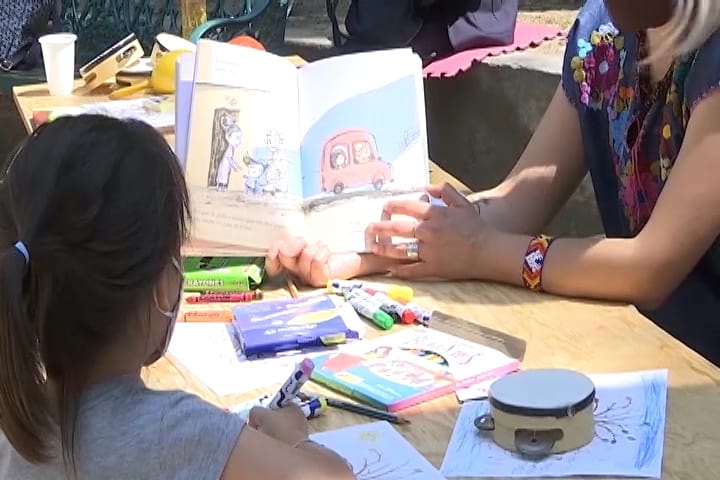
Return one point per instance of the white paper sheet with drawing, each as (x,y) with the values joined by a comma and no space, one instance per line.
(629,436)
(377,451)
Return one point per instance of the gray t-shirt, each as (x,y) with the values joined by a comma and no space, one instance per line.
(126,431)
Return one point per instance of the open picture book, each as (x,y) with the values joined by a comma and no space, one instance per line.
(315,151)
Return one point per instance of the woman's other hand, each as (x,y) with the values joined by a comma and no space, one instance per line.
(449,238)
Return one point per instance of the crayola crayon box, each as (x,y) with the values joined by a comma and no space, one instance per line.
(223,274)
(299,324)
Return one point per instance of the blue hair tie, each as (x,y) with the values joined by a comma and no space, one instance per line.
(20,247)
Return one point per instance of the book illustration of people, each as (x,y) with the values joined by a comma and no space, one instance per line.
(227,137)
(252,157)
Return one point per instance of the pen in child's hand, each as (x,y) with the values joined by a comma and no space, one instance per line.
(289,390)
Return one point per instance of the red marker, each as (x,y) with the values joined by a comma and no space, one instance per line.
(242,297)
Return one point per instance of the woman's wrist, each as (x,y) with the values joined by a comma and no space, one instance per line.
(500,257)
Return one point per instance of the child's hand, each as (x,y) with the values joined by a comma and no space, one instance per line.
(312,263)
(287,424)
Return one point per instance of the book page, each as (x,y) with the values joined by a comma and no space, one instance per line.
(363,141)
(243,160)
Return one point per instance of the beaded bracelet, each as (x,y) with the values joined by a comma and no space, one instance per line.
(534,261)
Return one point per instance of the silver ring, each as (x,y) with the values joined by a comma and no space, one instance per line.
(412,250)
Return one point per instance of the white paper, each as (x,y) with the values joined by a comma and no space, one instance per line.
(212,353)
(377,451)
(478,391)
(629,436)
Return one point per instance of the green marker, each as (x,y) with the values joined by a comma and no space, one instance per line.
(366,306)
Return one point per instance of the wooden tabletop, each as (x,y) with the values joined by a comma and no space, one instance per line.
(586,336)
(591,337)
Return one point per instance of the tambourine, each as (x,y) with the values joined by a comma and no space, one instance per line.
(537,413)
(106,65)
(165,42)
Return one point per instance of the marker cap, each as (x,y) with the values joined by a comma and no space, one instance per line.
(399,293)
(408,317)
(383,320)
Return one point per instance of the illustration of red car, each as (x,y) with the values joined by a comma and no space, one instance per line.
(350,159)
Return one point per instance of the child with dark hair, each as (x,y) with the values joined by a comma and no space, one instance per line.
(93,212)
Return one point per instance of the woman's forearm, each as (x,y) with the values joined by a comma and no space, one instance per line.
(599,268)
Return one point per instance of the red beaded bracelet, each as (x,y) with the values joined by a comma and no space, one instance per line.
(534,261)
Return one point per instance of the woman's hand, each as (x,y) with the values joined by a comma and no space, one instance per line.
(450,238)
(287,424)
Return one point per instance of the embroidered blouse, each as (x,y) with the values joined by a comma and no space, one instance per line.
(632,134)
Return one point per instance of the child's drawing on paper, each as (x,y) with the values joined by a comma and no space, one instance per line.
(629,435)
(227,137)
(376,451)
(369,144)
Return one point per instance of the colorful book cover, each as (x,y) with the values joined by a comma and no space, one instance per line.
(385,377)
(184,75)
(469,363)
(410,367)
(267,328)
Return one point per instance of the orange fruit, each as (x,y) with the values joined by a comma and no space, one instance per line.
(247,41)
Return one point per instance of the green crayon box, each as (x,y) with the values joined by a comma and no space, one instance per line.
(223,274)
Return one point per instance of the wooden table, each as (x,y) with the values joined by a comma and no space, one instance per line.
(591,337)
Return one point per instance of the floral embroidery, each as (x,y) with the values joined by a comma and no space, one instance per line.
(607,80)
(598,66)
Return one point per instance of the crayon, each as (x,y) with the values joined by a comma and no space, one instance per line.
(218,280)
(422,316)
(239,297)
(289,390)
(397,310)
(396,292)
(213,316)
(366,411)
(368,307)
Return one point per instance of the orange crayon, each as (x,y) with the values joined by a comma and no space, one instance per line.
(217,316)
